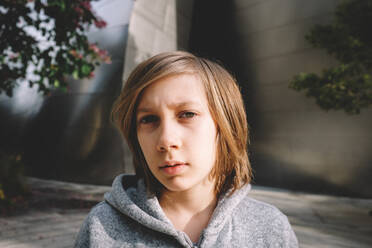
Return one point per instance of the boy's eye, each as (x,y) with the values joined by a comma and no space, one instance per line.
(187,115)
(148,119)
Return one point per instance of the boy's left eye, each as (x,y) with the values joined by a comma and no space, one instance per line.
(187,115)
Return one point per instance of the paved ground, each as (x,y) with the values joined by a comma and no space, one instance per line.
(323,221)
(319,221)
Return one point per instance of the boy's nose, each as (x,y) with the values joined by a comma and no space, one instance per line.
(168,138)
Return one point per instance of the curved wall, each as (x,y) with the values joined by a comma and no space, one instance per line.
(68,136)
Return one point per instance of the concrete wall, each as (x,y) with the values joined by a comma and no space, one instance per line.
(155,26)
(295,143)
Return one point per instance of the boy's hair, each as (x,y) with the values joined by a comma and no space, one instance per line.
(232,169)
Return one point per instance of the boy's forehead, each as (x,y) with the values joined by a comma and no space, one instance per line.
(175,105)
(175,91)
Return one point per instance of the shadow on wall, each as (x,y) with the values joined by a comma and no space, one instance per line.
(185,13)
(72,138)
(282,174)
(213,35)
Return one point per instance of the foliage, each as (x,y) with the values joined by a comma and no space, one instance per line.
(42,41)
(12,181)
(348,85)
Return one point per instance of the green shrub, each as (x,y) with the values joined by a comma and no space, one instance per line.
(347,86)
(12,180)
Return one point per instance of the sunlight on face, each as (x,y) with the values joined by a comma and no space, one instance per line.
(176,132)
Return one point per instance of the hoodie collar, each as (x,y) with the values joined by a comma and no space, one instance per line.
(130,197)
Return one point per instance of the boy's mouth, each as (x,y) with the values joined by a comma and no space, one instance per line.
(173,168)
(167,166)
(172,163)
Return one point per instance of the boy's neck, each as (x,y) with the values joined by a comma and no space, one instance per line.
(189,211)
(191,201)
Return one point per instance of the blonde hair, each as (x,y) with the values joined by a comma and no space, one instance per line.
(232,169)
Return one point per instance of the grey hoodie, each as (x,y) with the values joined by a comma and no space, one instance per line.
(130,218)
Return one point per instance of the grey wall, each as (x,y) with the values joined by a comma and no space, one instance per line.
(295,144)
(157,26)
(68,136)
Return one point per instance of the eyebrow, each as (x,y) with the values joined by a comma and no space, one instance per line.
(173,106)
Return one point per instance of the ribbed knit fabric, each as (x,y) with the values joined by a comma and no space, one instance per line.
(129,217)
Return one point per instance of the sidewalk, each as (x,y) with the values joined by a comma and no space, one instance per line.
(319,221)
(323,221)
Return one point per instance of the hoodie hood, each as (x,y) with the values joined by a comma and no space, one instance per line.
(130,197)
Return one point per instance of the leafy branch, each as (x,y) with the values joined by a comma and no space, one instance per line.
(43,41)
(347,86)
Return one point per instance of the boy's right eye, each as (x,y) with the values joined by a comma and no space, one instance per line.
(148,119)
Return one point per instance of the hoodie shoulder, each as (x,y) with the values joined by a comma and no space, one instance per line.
(259,209)
(104,220)
(94,230)
(267,221)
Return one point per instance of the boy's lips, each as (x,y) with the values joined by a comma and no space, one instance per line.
(173,167)
(172,163)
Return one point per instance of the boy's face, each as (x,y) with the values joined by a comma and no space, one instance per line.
(176,133)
